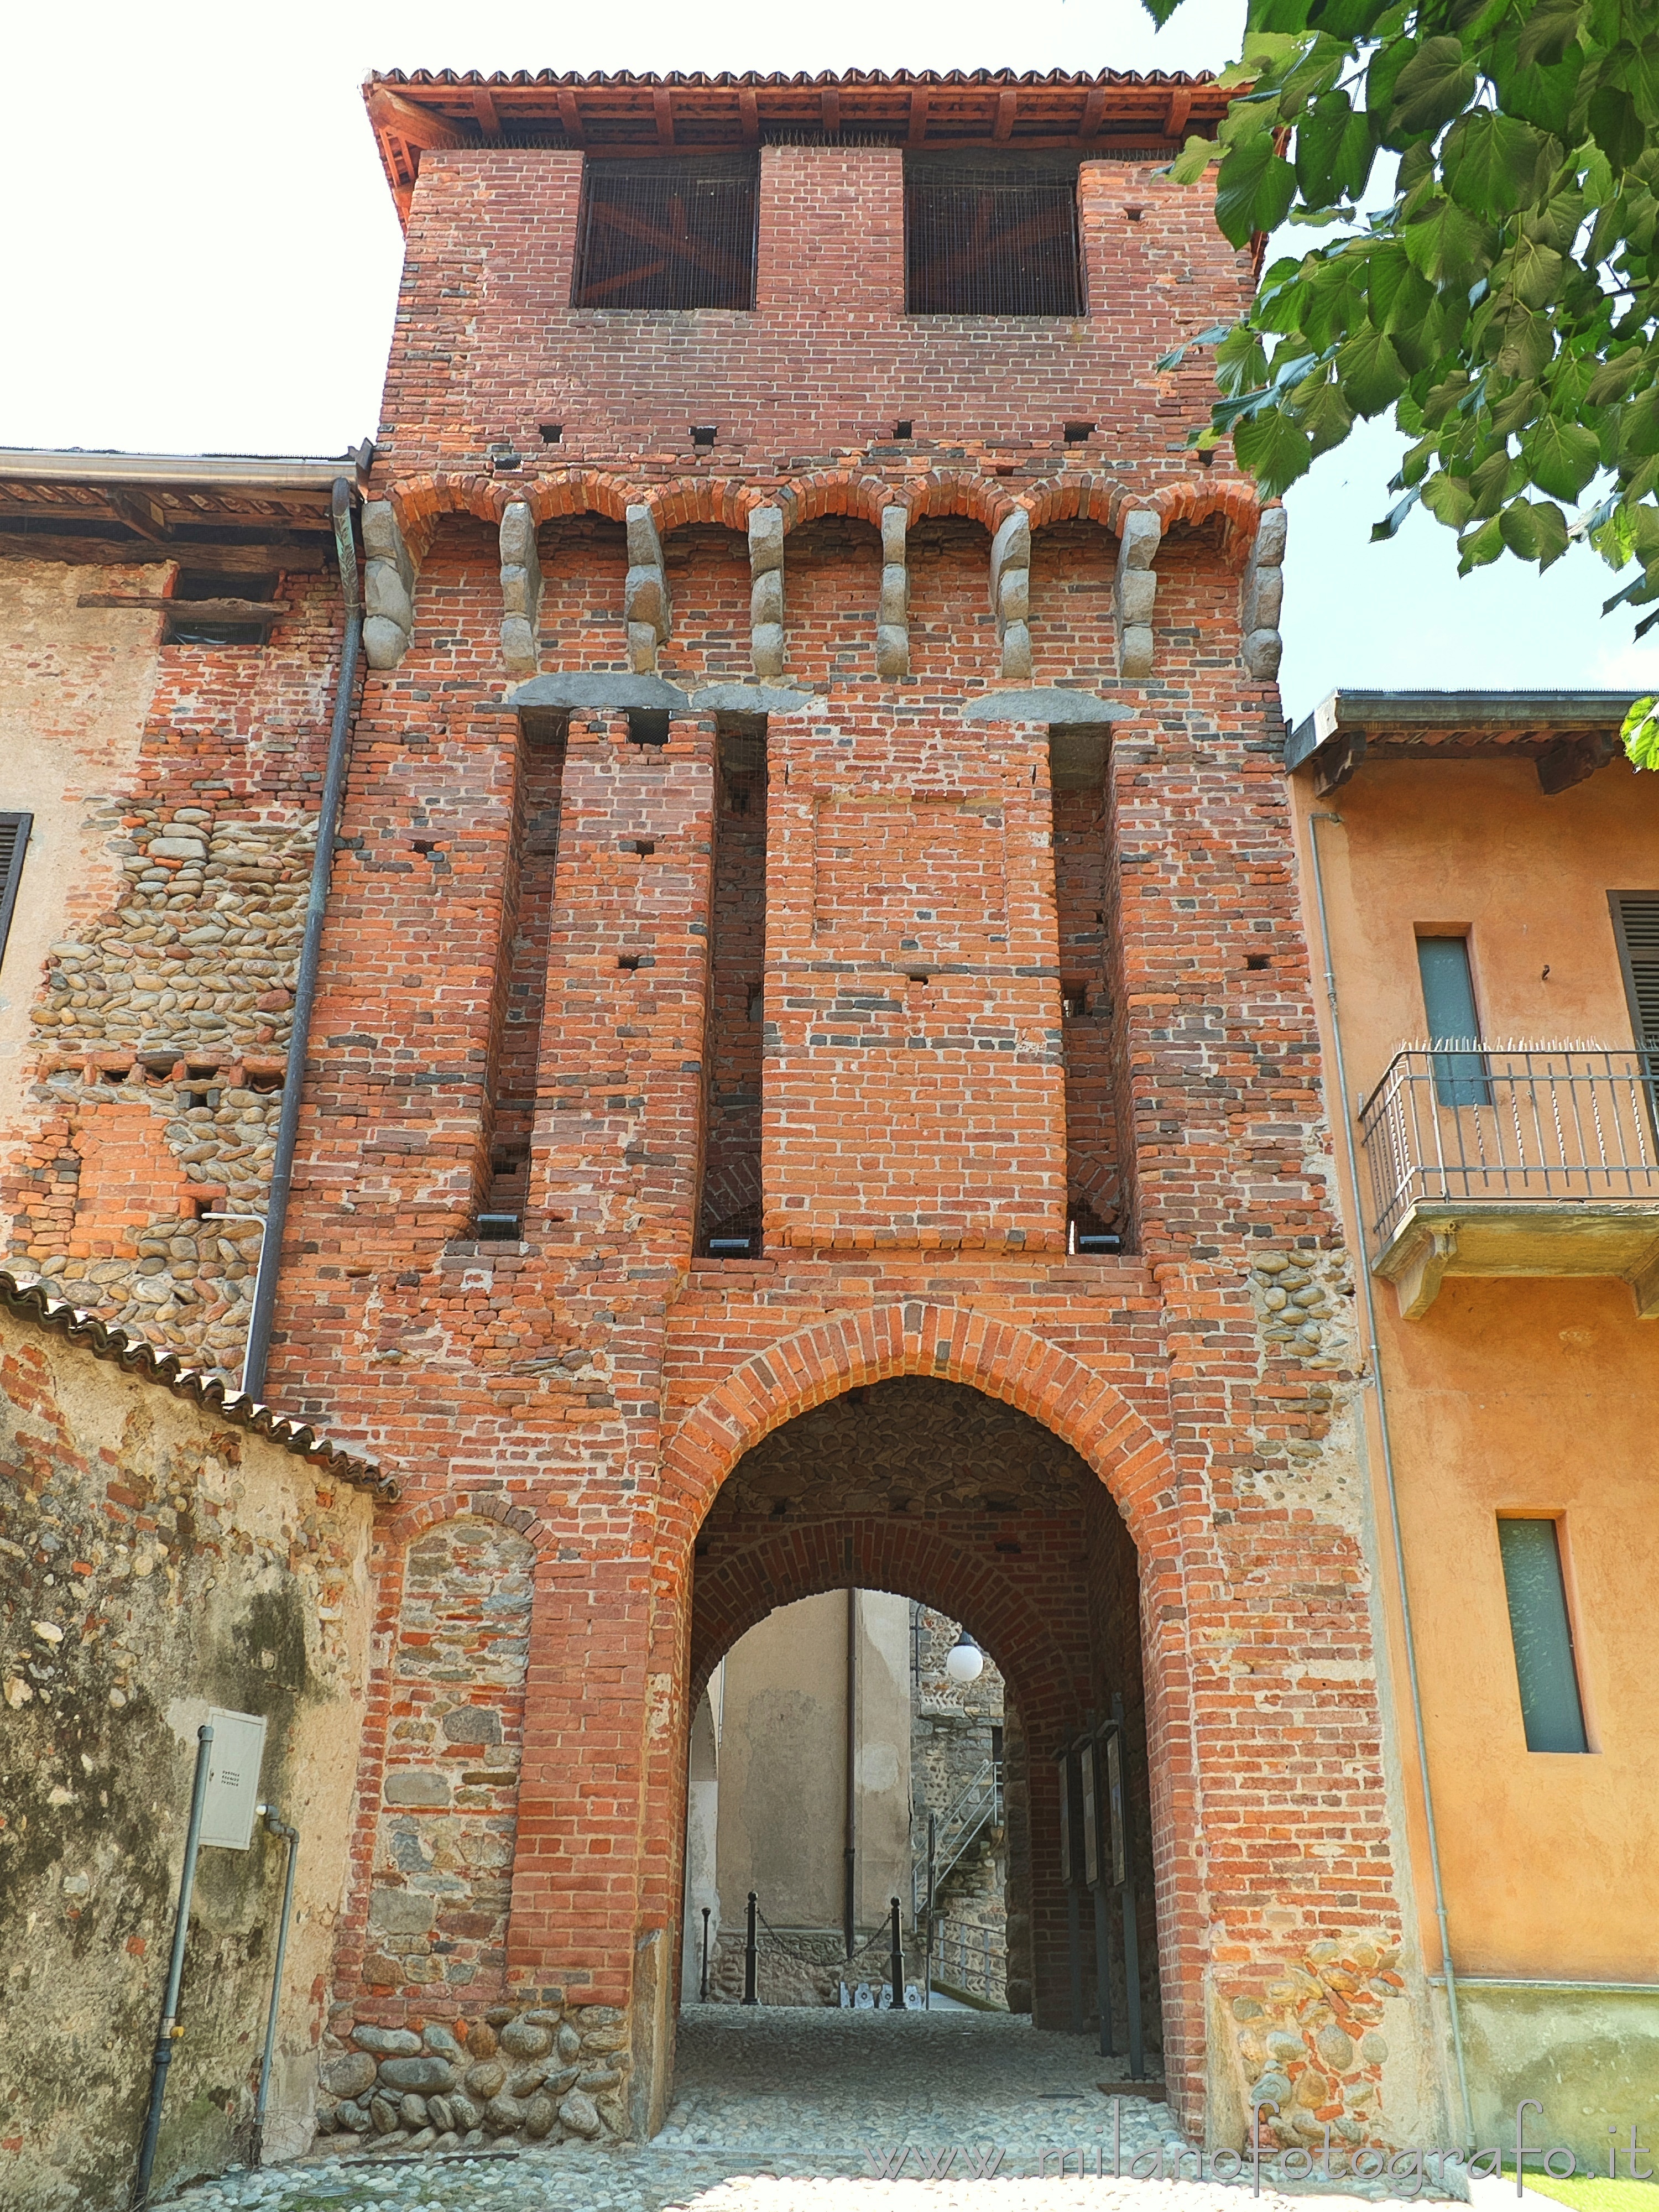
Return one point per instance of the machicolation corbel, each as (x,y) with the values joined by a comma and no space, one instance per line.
(893,611)
(1010,592)
(521,589)
(1135,590)
(766,592)
(389,575)
(645,593)
(1261,596)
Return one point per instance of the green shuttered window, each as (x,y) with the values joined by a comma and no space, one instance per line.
(14,843)
(1542,1633)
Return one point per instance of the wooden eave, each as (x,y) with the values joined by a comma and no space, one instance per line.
(1116,111)
(1569,735)
(156,522)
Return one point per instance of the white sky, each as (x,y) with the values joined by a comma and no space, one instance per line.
(202,256)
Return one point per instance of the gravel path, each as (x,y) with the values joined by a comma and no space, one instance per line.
(781,2111)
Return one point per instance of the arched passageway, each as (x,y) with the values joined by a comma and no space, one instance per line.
(934,1490)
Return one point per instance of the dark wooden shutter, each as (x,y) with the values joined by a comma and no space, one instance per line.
(14,843)
(1636,923)
(673,232)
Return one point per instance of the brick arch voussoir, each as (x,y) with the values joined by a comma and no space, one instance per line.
(687,500)
(1234,500)
(981,499)
(807,1561)
(954,1344)
(1081,496)
(854,492)
(461,1505)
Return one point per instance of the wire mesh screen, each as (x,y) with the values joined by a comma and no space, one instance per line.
(668,233)
(991,234)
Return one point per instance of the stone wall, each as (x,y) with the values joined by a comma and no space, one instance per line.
(951,1739)
(156,968)
(157,1558)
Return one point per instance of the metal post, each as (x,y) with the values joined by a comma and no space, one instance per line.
(280,1828)
(702,1991)
(1074,1949)
(751,1953)
(927,1980)
(1102,1970)
(896,1960)
(1131,1916)
(850,1809)
(169,2032)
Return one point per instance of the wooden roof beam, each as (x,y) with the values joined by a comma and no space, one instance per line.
(1180,107)
(483,106)
(663,100)
(918,131)
(830,107)
(416,127)
(749,110)
(1007,108)
(571,117)
(1093,108)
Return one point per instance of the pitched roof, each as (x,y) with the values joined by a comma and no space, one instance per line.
(1116,112)
(134,1356)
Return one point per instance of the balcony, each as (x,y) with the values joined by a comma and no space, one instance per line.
(1495,1160)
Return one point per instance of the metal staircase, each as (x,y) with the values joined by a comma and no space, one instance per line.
(974,1813)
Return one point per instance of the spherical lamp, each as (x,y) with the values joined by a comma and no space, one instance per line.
(966,1661)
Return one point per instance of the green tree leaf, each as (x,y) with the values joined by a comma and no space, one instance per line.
(1195,157)
(1437,82)
(1640,733)
(1615,126)
(1489,162)
(1373,374)
(1561,457)
(1254,190)
(1450,244)
(1273,450)
(1549,31)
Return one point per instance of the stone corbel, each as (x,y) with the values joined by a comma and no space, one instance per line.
(645,593)
(1135,590)
(389,572)
(1261,595)
(1010,592)
(893,613)
(766,592)
(521,589)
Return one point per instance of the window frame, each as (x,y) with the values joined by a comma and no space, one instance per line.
(1461,1078)
(687,162)
(988,162)
(1557,1522)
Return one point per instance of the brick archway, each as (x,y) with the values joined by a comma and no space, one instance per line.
(1087,1411)
(799,1563)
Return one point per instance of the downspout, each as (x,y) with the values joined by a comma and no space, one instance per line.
(850,1817)
(1373,1346)
(305,987)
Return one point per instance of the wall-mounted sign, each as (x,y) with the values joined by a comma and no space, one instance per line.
(1091,1794)
(232,1802)
(1067,1874)
(1114,1803)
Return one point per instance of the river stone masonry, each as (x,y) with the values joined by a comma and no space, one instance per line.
(554,2072)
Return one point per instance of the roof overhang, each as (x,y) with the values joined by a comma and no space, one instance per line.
(1116,113)
(1568,734)
(67,504)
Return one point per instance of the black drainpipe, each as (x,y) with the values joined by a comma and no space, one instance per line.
(305,987)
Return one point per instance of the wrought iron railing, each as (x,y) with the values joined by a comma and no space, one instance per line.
(972,1960)
(1472,1122)
(976,1807)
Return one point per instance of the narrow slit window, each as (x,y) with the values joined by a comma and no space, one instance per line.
(991,234)
(677,232)
(1541,1629)
(1460,1078)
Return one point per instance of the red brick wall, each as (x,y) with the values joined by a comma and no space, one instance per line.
(593,1384)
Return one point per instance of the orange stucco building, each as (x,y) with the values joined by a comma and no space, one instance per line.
(1508,1207)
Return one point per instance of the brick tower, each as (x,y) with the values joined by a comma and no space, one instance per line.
(815,1081)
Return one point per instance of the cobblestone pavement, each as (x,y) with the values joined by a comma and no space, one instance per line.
(780,2110)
